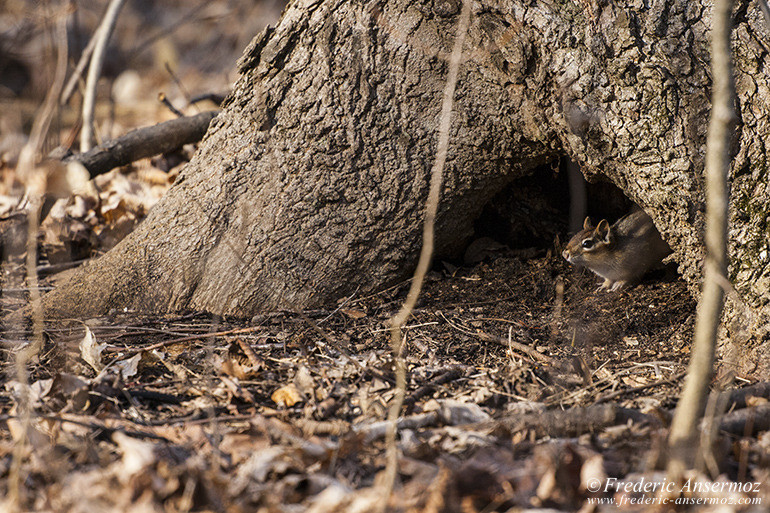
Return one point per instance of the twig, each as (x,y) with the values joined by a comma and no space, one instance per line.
(179,84)
(683,437)
(426,254)
(572,422)
(44,270)
(631,390)
(36,184)
(95,70)
(380,429)
(516,346)
(339,307)
(144,142)
(173,341)
(215,98)
(81,66)
(739,397)
(162,98)
(447,375)
(93,425)
(746,422)
(249,352)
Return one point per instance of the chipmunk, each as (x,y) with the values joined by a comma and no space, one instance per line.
(620,253)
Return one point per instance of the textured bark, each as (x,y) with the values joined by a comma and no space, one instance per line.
(311,181)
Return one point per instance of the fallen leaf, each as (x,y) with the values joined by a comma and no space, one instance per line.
(129,366)
(91,352)
(353,313)
(303,381)
(137,455)
(286,396)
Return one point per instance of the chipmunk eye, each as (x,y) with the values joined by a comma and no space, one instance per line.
(588,243)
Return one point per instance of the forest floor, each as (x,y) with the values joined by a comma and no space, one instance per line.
(286,412)
(526,388)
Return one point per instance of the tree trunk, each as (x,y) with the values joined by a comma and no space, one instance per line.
(311,182)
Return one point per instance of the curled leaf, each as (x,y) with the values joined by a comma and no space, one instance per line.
(91,351)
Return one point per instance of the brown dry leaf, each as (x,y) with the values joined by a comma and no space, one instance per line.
(115,210)
(330,500)
(353,313)
(137,455)
(634,381)
(233,367)
(74,390)
(236,390)
(57,179)
(180,371)
(112,233)
(153,176)
(91,352)
(35,434)
(79,207)
(287,396)
(240,446)
(304,383)
(38,390)
(64,238)
(261,464)
(130,366)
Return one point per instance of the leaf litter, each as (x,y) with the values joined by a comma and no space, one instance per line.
(519,397)
(287,412)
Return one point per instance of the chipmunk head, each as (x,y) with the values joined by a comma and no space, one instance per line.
(589,243)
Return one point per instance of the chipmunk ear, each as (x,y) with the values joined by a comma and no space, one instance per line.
(603,231)
(587,224)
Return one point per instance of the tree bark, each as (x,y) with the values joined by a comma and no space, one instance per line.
(312,180)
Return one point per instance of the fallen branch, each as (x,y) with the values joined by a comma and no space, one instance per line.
(739,397)
(101,429)
(631,390)
(144,142)
(746,422)
(379,429)
(572,422)
(447,375)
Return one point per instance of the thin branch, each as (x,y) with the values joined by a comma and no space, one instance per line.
(683,437)
(426,254)
(95,70)
(79,68)
(36,184)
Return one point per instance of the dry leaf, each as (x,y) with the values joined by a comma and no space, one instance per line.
(91,352)
(353,313)
(303,381)
(38,390)
(634,381)
(286,396)
(137,455)
(129,366)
